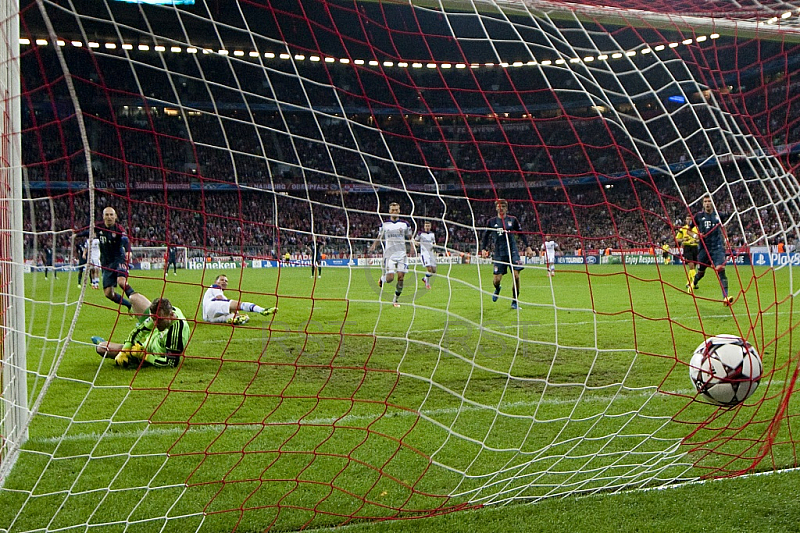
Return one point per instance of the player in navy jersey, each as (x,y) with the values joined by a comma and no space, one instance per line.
(115,253)
(82,252)
(50,260)
(502,232)
(712,247)
(172,260)
(316,258)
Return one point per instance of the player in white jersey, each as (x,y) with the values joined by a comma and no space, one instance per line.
(93,249)
(393,236)
(550,246)
(218,308)
(426,239)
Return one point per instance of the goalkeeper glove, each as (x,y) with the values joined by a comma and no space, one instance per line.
(129,355)
(122,359)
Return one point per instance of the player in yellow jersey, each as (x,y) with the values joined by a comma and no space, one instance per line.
(688,238)
(666,254)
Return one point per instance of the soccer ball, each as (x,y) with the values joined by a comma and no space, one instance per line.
(725,369)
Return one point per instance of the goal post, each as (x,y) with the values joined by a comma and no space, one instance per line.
(157,257)
(14,407)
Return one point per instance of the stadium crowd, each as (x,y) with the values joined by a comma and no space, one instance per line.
(259,181)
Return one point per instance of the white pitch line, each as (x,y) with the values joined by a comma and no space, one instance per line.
(431,413)
(458,322)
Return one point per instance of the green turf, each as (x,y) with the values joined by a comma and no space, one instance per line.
(343,406)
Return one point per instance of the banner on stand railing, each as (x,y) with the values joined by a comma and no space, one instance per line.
(775,260)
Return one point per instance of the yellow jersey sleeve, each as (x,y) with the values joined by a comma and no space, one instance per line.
(690,239)
(685,233)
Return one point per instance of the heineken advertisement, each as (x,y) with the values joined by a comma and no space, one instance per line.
(214,264)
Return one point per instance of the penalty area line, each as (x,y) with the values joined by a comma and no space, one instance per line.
(154,430)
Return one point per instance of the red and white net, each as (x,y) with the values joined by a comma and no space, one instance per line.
(243,132)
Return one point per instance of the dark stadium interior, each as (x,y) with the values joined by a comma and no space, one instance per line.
(170,132)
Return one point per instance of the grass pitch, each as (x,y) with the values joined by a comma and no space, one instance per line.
(344,407)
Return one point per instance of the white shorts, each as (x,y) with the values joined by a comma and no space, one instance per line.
(551,260)
(428,259)
(94,260)
(217,311)
(395,263)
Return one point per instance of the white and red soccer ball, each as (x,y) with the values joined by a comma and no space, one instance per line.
(725,369)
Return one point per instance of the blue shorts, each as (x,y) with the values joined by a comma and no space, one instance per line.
(112,272)
(501,264)
(713,257)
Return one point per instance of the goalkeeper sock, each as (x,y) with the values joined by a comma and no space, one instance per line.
(250,307)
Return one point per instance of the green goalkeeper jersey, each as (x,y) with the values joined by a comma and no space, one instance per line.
(162,348)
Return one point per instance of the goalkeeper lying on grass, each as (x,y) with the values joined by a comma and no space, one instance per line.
(159,338)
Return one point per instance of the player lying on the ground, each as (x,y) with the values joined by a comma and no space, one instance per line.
(218,308)
(159,338)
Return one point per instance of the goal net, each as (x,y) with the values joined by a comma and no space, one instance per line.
(158,257)
(267,143)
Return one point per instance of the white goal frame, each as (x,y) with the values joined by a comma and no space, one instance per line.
(14,410)
(152,257)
